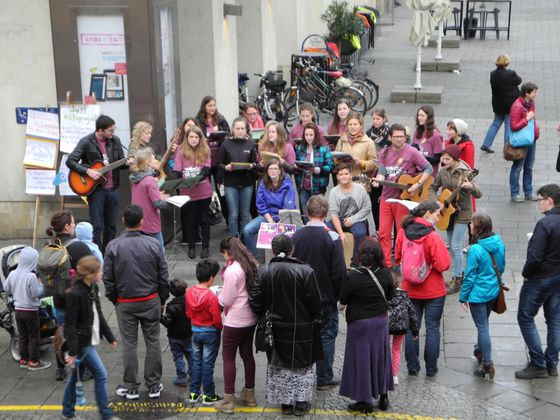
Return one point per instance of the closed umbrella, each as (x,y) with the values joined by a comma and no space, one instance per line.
(441,12)
(423,25)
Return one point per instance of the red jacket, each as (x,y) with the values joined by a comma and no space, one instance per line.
(436,255)
(202,308)
(518,116)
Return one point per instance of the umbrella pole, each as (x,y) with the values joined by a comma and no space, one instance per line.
(418,85)
(439,41)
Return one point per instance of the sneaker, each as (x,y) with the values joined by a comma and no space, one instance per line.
(532,197)
(395,380)
(121,391)
(531,371)
(486,149)
(60,374)
(23,364)
(431,374)
(301,408)
(517,199)
(332,384)
(40,365)
(552,371)
(194,397)
(210,399)
(129,393)
(454,285)
(412,373)
(155,390)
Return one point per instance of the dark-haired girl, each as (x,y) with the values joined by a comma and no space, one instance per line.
(306,116)
(428,297)
(479,289)
(379,131)
(427,137)
(239,324)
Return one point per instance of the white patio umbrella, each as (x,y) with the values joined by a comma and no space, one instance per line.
(441,12)
(423,25)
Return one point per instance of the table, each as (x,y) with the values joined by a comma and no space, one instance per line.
(483,13)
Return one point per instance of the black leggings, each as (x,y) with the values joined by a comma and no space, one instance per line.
(193,215)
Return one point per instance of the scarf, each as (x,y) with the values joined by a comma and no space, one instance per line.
(379,134)
(353,139)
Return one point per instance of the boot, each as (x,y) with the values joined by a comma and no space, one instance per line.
(247,398)
(484,370)
(60,373)
(205,253)
(226,405)
(192,252)
(384,402)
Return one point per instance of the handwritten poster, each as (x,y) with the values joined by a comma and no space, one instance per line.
(41,153)
(42,124)
(76,121)
(62,178)
(39,182)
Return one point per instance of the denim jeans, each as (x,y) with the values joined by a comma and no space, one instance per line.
(527,166)
(304,196)
(204,352)
(159,237)
(455,237)
(91,360)
(239,204)
(433,309)
(329,330)
(494,127)
(534,294)
(103,211)
(181,349)
(250,233)
(359,231)
(480,313)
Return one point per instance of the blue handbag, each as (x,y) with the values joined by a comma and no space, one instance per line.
(524,137)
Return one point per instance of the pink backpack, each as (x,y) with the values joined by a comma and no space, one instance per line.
(414,267)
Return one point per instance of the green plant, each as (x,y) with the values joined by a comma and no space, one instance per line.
(342,23)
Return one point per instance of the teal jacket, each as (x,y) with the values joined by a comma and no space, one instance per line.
(479,282)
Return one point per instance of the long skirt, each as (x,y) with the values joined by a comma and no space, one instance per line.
(367,360)
(288,386)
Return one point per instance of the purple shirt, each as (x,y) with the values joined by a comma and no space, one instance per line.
(394,163)
(297,133)
(289,153)
(430,146)
(188,168)
(144,193)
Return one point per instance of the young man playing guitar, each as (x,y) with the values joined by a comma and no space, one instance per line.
(398,159)
(454,175)
(101,145)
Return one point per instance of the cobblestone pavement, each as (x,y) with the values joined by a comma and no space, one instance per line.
(454,392)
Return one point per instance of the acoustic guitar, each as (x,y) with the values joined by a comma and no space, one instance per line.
(166,156)
(84,184)
(404,182)
(448,198)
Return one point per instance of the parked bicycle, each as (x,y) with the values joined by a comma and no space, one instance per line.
(269,99)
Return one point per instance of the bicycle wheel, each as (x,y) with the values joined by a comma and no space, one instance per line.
(356,99)
(366,90)
(292,116)
(375,87)
(275,108)
(289,96)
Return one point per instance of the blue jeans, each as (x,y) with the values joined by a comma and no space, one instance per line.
(103,211)
(433,309)
(359,231)
(204,352)
(480,313)
(329,330)
(239,203)
(494,127)
(250,233)
(159,237)
(181,349)
(455,237)
(304,196)
(91,360)
(527,166)
(534,294)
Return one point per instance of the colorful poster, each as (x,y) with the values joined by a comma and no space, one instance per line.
(39,182)
(62,178)
(76,121)
(40,153)
(269,231)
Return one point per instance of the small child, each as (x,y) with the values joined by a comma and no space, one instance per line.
(84,233)
(26,289)
(402,317)
(179,331)
(204,311)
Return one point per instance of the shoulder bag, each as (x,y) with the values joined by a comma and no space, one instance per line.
(524,137)
(514,153)
(378,285)
(500,303)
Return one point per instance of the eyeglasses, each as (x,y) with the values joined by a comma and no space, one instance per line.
(397,137)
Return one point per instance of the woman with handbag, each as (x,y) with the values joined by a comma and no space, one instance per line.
(367,370)
(481,286)
(286,290)
(522,118)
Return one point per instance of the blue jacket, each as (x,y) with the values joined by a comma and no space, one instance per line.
(284,197)
(321,157)
(480,283)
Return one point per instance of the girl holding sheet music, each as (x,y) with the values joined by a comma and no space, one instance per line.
(193,160)
(315,165)
(274,141)
(306,115)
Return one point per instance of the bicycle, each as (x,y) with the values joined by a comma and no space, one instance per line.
(269,100)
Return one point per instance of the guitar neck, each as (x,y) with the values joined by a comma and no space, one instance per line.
(112,166)
(165,157)
(394,185)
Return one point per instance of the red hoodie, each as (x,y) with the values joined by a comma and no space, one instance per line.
(203,308)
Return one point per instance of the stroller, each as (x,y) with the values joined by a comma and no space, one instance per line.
(9,257)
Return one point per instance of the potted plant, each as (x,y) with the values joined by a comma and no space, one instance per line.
(344,27)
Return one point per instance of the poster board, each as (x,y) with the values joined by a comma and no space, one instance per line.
(62,178)
(42,125)
(268,231)
(76,121)
(40,181)
(40,153)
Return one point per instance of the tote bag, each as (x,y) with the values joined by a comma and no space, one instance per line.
(524,137)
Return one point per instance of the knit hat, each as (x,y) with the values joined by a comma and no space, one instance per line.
(452,150)
(461,126)
(84,231)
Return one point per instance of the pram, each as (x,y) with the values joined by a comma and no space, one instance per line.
(9,258)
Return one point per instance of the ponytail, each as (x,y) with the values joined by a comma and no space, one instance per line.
(58,221)
(420,210)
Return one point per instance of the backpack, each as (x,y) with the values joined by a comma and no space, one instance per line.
(414,267)
(54,268)
(215,210)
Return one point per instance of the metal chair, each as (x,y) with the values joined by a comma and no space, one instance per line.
(484,19)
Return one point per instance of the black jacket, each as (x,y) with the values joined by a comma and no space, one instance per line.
(505,90)
(78,321)
(135,267)
(288,288)
(175,319)
(322,250)
(237,150)
(87,151)
(543,252)
(362,296)
(402,316)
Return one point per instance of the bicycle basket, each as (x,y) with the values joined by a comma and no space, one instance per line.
(343,82)
(274,80)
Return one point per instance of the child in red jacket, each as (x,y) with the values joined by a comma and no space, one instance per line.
(204,311)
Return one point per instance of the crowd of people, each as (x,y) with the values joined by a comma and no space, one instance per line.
(289,307)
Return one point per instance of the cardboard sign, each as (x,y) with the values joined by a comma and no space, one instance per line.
(39,182)
(42,124)
(76,121)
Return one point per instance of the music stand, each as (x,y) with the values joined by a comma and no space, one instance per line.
(177,201)
(290,217)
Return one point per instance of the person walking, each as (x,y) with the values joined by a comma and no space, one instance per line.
(239,324)
(480,289)
(321,248)
(427,296)
(541,287)
(521,113)
(504,84)
(288,290)
(136,282)
(367,371)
